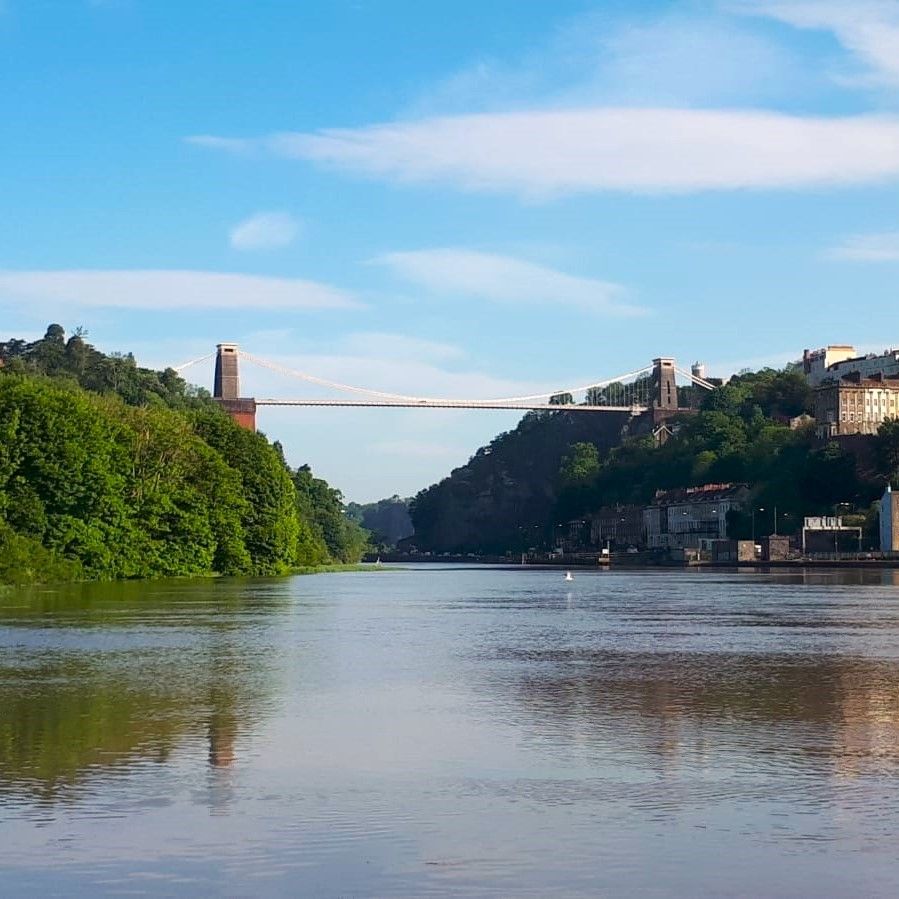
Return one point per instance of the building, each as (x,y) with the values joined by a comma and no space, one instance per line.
(828,534)
(692,516)
(574,536)
(775,548)
(815,363)
(855,405)
(835,362)
(889,522)
(617,527)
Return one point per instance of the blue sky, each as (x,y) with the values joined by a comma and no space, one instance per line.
(450,199)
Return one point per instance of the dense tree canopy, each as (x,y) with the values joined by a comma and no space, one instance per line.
(108,470)
(387,520)
(505,497)
(741,434)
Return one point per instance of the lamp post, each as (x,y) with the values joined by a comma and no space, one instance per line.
(839,524)
(760,509)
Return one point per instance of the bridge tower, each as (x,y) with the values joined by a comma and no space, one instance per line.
(226,390)
(664,388)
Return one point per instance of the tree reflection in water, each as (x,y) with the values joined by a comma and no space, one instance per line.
(97,678)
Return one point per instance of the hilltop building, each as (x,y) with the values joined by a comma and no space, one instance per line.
(685,518)
(832,363)
(856,405)
(815,363)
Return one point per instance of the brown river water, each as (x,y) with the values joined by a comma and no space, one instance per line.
(453,731)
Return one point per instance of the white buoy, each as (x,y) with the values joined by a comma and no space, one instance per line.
(568,576)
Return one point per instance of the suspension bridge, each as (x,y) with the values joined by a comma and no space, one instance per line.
(652,389)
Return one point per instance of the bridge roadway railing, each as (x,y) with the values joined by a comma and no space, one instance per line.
(450,404)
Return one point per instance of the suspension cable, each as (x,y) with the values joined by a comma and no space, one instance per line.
(183,365)
(336,385)
(701,382)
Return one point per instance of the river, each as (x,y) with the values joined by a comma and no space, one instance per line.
(453,731)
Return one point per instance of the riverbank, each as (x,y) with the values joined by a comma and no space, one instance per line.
(340,568)
(631,562)
(7,587)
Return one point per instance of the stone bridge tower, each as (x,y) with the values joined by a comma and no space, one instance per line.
(226,390)
(664,389)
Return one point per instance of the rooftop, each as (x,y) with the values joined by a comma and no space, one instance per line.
(704,493)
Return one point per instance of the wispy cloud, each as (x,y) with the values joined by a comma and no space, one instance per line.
(882,247)
(545,153)
(504,279)
(678,58)
(265,231)
(869,29)
(169,290)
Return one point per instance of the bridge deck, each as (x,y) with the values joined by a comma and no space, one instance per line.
(450,404)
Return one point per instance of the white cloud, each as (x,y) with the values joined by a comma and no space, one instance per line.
(882,247)
(504,279)
(690,60)
(169,290)
(678,58)
(265,231)
(545,153)
(867,28)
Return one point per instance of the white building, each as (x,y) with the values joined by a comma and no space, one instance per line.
(835,362)
(678,519)
(815,363)
(828,534)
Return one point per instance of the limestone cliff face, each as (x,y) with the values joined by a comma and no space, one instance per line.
(503,498)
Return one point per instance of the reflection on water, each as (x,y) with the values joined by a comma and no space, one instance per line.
(103,677)
(844,714)
(434,732)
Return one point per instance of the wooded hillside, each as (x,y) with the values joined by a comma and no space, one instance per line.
(108,470)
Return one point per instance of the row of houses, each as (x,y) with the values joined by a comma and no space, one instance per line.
(675,519)
(697,518)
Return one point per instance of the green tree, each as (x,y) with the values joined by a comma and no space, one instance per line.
(269,517)
(580,466)
(343,539)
